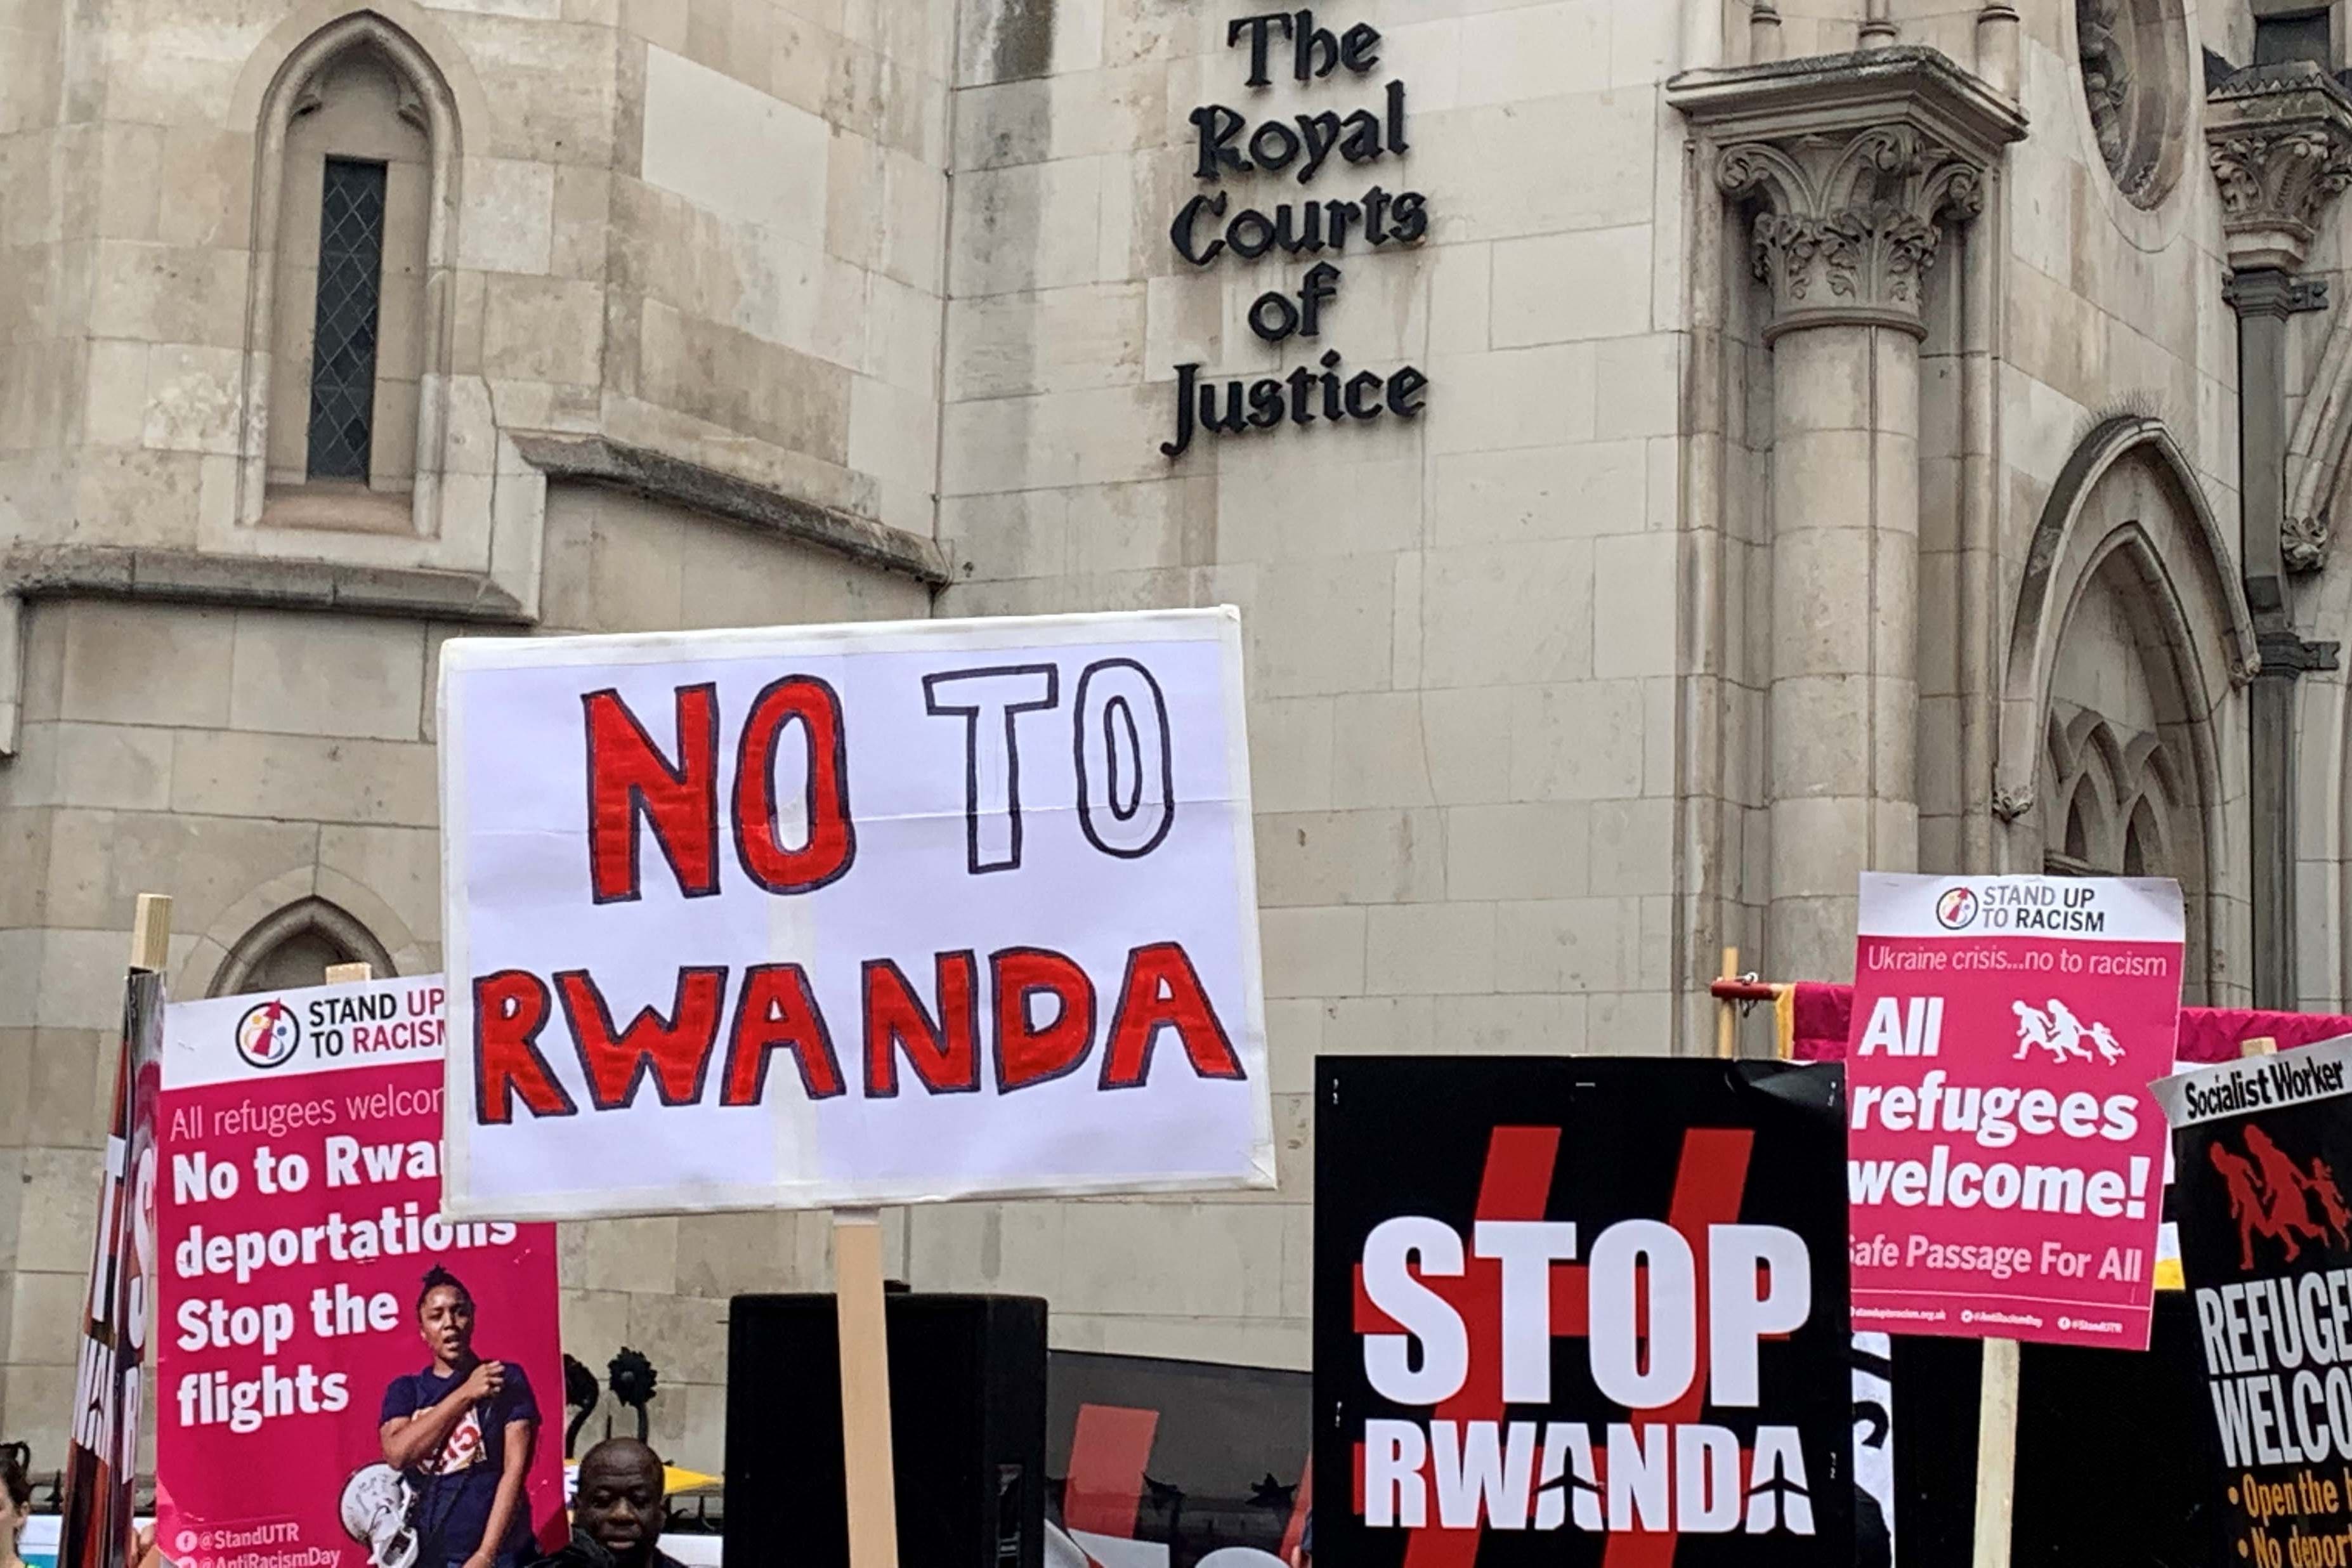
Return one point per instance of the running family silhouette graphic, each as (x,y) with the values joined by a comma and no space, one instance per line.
(2271,1196)
(2062,1034)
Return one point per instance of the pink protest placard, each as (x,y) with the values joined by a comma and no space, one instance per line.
(2005,1158)
(347,1380)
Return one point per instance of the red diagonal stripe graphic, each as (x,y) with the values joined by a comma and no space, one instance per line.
(1108,1455)
(1516,1185)
(1712,1175)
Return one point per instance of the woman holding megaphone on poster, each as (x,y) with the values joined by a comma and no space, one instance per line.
(462,1432)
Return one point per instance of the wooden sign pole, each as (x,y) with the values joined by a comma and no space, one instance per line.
(1727,1013)
(864,1389)
(151,933)
(1996,1455)
(1997,1425)
(150,948)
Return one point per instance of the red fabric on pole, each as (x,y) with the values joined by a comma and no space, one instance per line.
(2211,1034)
(1823,1016)
(1823,1019)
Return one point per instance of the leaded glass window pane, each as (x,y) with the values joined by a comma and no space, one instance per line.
(350,293)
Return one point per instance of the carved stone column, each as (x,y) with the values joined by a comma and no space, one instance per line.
(1853,166)
(2279,139)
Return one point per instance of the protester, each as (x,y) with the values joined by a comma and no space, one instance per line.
(616,1511)
(462,1431)
(17,1511)
(16,1501)
(1303,1554)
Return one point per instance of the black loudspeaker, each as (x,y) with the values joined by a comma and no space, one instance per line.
(967,1431)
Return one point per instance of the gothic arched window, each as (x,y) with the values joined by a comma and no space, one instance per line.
(294,947)
(350,280)
(348,338)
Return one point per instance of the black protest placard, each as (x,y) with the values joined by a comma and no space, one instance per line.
(1581,1311)
(110,1366)
(1199,1459)
(2262,1149)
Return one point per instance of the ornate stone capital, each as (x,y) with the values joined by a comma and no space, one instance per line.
(2279,139)
(1851,162)
(1846,228)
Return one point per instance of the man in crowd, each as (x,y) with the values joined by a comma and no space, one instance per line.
(616,1511)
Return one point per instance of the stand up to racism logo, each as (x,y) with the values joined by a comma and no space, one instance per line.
(268,1035)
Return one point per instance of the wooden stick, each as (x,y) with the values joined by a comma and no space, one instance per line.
(2260,1045)
(151,933)
(1996,1455)
(864,1389)
(349,974)
(150,948)
(1727,1016)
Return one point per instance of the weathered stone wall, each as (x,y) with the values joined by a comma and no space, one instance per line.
(242,759)
(1460,632)
(778,230)
(711,230)
(2109,306)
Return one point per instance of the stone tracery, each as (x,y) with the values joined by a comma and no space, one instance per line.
(2106,75)
(2132,63)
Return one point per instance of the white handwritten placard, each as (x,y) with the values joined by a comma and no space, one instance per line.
(850,915)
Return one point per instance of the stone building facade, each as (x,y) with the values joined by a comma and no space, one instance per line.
(1733,446)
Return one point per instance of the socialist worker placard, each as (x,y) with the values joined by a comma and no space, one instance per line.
(2006,1159)
(1584,1311)
(2264,1152)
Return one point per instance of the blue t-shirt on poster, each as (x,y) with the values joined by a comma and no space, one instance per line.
(456,1486)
